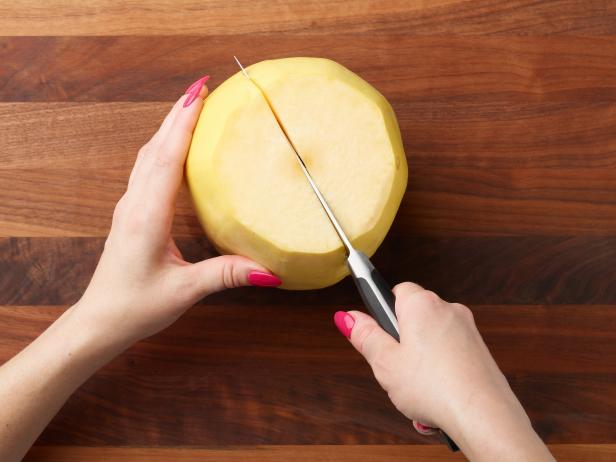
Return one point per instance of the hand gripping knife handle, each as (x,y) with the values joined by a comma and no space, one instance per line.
(380,301)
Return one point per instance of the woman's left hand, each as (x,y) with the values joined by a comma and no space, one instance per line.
(142,284)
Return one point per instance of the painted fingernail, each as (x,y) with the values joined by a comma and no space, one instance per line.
(421,428)
(194,90)
(199,83)
(261,279)
(344,322)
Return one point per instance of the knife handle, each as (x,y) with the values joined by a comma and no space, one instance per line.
(380,302)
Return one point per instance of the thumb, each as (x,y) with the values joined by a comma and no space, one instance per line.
(226,272)
(365,335)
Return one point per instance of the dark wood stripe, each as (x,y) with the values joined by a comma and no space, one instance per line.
(482,270)
(439,202)
(226,375)
(422,68)
(73,202)
(266,408)
(301,339)
(306,453)
(233,409)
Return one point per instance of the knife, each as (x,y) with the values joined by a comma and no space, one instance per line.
(374,291)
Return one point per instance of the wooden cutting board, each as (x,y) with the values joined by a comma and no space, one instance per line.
(508,114)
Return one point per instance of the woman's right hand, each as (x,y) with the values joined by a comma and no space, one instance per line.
(442,375)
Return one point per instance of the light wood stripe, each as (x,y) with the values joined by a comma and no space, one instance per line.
(222,17)
(310,453)
(439,202)
(64,166)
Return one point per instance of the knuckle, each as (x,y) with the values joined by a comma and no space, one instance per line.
(381,365)
(404,285)
(136,220)
(427,298)
(404,288)
(107,244)
(381,377)
(184,288)
(402,308)
(128,217)
(120,209)
(154,142)
(169,150)
(464,311)
(363,333)
(143,150)
(162,159)
(231,277)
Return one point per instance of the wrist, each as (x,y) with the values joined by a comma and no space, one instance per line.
(91,337)
(491,424)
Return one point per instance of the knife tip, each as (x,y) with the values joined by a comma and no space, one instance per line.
(241,67)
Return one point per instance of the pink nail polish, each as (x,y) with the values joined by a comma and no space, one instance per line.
(344,322)
(421,428)
(261,279)
(194,89)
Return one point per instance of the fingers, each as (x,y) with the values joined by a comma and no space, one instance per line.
(156,139)
(165,127)
(410,297)
(165,164)
(159,165)
(405,289)
(137,164)
(375,345)
(225,272)
(365,335)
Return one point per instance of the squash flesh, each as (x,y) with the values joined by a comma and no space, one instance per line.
(250,194)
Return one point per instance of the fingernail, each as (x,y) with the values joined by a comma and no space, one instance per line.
(261,279)
(193,90)
(344,322)
(199,83)
(421,428)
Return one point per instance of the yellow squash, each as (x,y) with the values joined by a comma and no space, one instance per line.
(249,192)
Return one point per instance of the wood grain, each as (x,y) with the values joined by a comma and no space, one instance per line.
(153,68)
(276,407)
(220,339)
(480,270)
(223,17)
(454,201)
(476,135)
(301,377)
(306,453)
(549,171)
(76,135)
(508,115)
